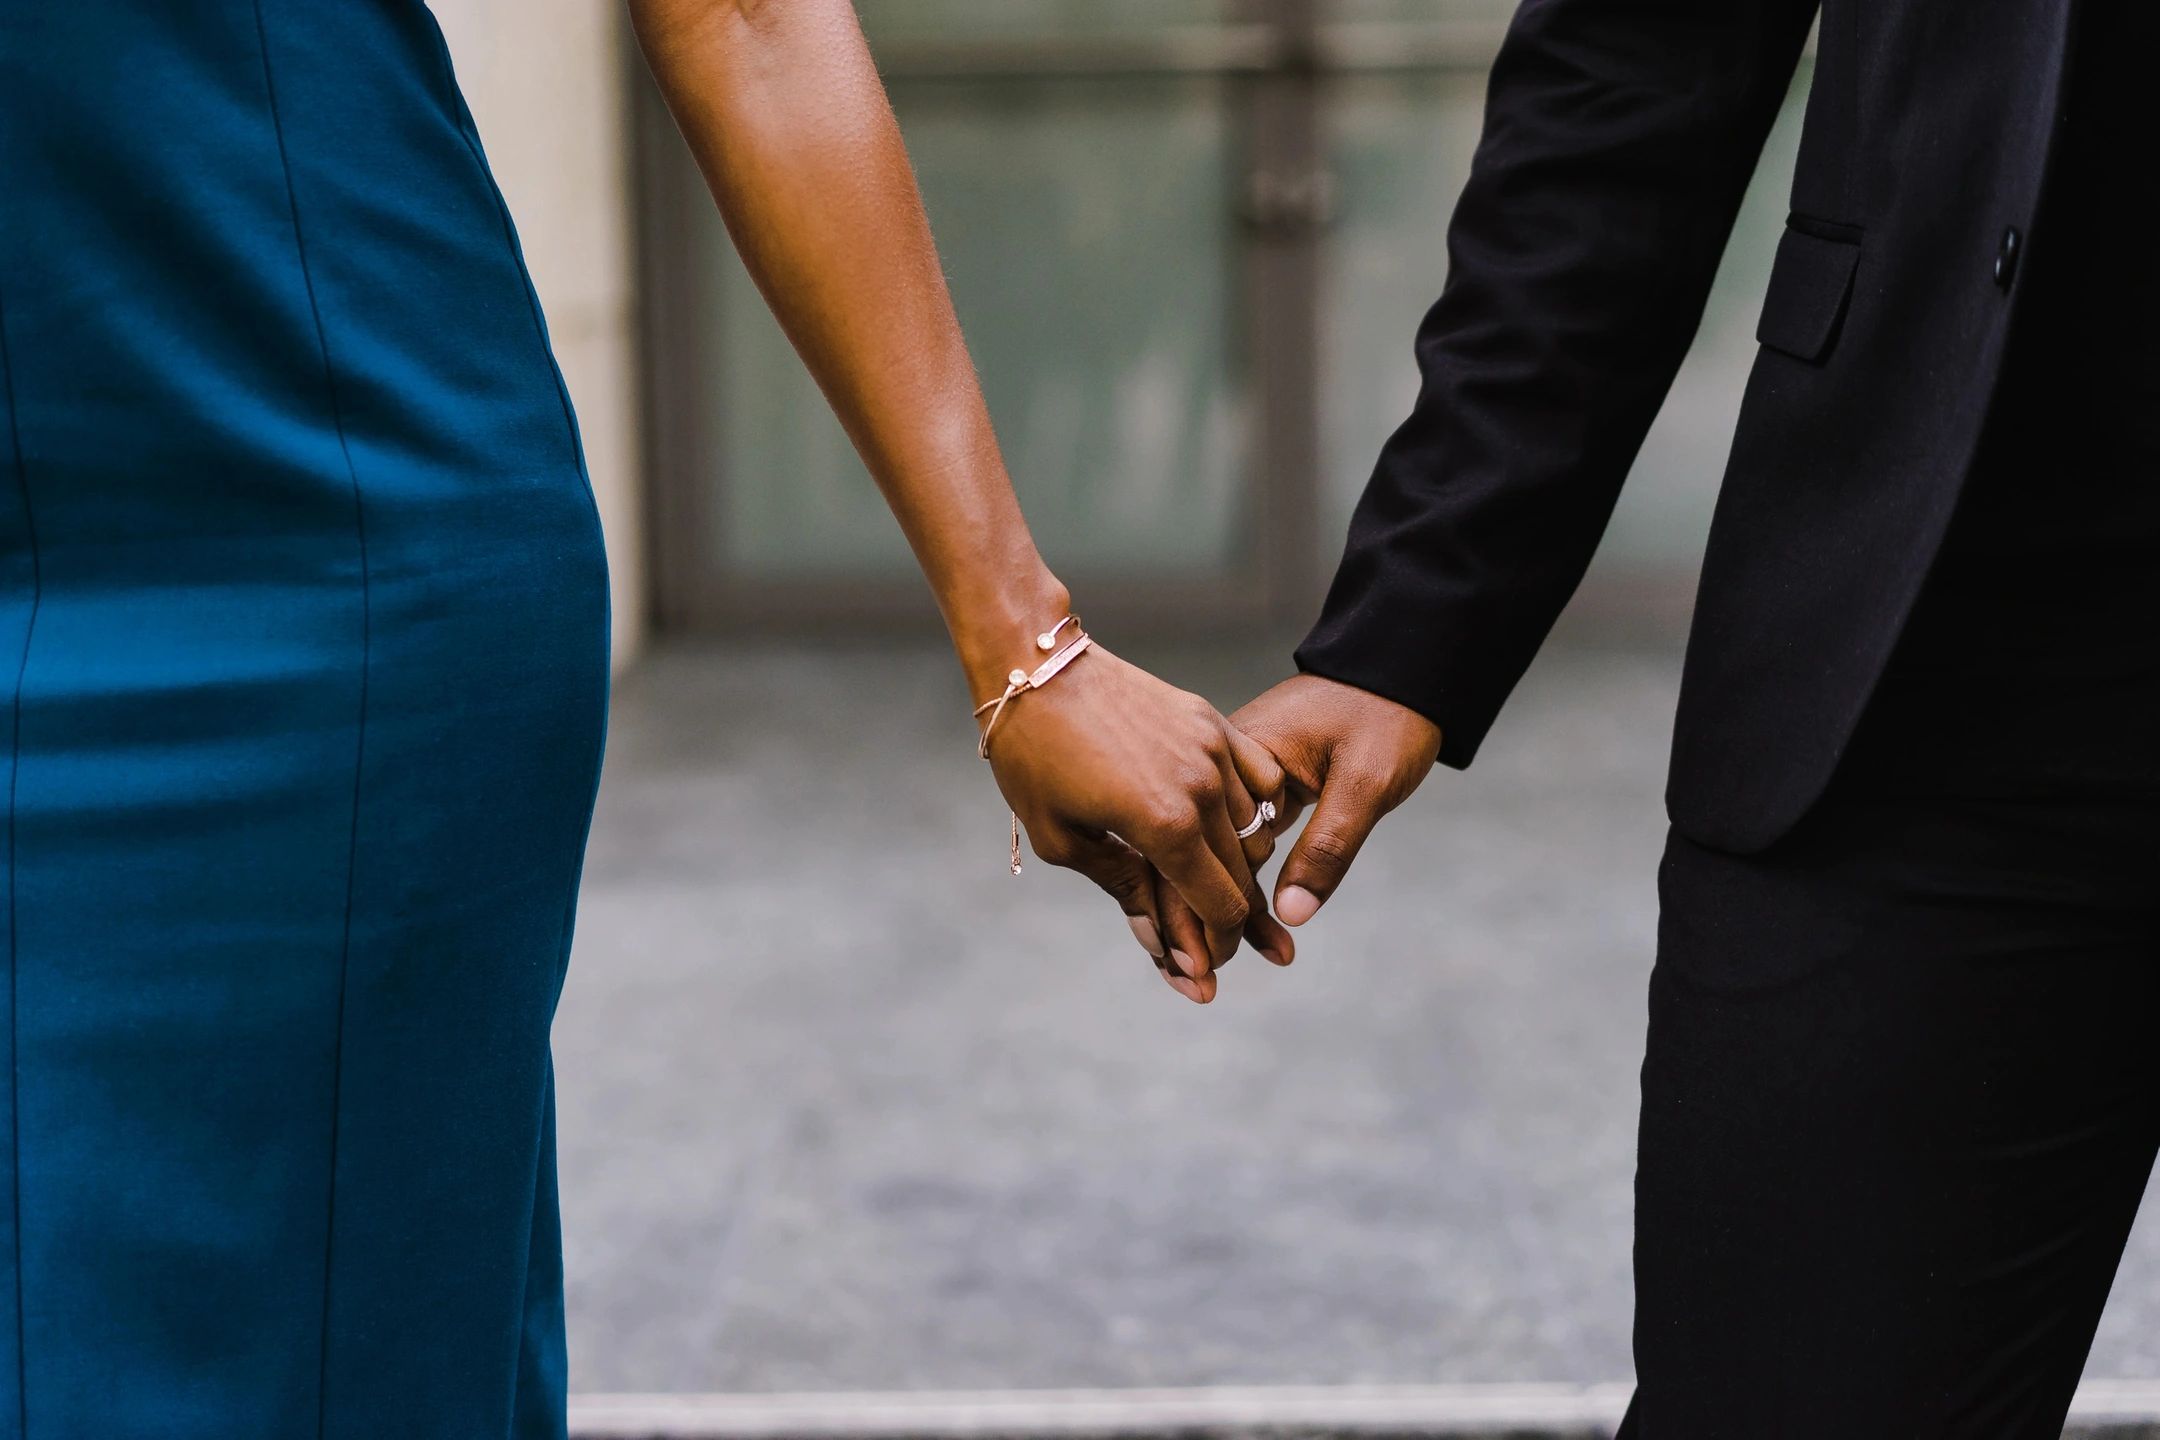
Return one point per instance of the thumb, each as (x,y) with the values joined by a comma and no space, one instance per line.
(1343,816)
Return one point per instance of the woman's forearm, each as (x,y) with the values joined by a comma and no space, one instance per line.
(1109,769)
(784,111)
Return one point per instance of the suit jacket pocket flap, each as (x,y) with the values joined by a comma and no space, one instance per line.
(1809,284)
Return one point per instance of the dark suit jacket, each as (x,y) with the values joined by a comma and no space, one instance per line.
(1619,136)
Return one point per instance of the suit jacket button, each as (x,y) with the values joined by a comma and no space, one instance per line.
(2006,258)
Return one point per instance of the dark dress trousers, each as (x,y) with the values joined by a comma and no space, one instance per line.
(1619,137)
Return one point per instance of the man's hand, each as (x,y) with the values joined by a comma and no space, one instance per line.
(1354,757)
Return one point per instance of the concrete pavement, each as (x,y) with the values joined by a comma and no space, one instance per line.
(845,1107)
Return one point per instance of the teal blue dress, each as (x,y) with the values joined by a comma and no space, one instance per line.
(303,674)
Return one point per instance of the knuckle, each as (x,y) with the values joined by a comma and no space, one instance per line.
(1172,820)
(1127,885)
(1329,848)
(1234,913)
(1194,780)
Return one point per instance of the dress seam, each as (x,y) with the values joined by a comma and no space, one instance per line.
(22,668)
(337,417)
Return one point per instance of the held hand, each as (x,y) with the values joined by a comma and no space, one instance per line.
(1358,756)
(1113,772)
(1352,754)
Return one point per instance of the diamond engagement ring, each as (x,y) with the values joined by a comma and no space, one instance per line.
(1262,818)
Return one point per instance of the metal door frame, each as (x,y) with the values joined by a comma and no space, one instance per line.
(1277,56)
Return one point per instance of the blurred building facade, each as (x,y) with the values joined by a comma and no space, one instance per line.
(1189,240)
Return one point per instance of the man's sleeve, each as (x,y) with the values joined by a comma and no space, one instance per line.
(1619,139)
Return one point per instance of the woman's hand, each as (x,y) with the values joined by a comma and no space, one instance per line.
(1118,775)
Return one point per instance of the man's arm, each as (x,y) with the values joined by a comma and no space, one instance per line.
(1619,139)
(1620,136)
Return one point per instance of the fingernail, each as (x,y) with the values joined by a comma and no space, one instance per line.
(1143,930)
(1279,951)
(1295,905)
(1186,988)
(1188,964)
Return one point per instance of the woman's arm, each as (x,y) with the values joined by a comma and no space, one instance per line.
(784,111)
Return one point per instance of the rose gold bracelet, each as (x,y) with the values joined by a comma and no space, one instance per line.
(1020,681)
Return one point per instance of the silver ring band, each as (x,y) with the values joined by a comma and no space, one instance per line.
(1262,818)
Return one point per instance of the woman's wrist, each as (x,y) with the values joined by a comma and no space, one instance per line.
(994,631)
